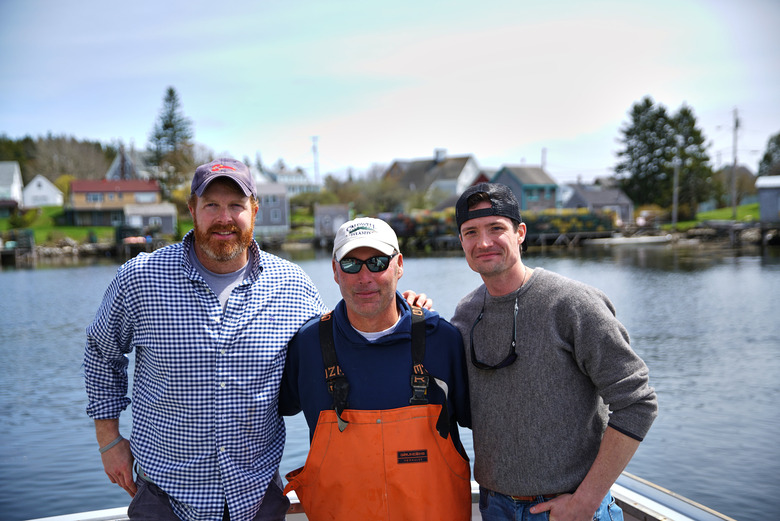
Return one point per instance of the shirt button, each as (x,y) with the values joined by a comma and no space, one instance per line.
(222,449)
(222,351)
(222,384)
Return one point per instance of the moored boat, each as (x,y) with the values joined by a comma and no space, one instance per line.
(619,240)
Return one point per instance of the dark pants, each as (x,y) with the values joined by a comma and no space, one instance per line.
(151,503)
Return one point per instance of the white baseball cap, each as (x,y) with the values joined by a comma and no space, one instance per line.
(364,232)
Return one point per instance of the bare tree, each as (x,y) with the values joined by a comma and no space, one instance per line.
(56,156)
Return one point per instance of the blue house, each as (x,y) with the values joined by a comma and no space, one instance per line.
(769,198)
(272,223)
(534,188)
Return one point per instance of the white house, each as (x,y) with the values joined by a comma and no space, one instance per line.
(10,187)
(41,192)
(441,176)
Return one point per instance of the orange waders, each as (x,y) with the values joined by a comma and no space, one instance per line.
(388,465)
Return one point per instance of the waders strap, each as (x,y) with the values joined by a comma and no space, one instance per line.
(421,379)
(338,386)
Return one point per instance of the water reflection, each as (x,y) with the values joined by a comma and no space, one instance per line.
(705,322)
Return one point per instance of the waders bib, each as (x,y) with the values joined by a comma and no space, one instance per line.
(385,465)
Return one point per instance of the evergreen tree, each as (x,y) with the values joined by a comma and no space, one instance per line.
(22,151)
(645,170)
(770,162)
(695,175)
(170,148)
(654,142)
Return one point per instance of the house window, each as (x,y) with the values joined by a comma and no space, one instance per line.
(155,223)
(94,197)
(276,215)
(145,197)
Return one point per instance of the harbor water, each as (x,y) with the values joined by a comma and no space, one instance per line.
(706,323)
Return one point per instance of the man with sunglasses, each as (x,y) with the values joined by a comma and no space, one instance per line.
(383,388)
(560,401)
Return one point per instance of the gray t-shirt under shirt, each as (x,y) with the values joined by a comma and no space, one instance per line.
(221,283)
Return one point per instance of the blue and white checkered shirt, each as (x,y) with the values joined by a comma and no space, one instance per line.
(206,428)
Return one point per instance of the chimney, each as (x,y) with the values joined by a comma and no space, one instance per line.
(439,154)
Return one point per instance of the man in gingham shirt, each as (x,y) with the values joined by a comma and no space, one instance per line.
(209,320)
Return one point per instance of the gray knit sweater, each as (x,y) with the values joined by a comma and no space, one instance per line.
(538,423)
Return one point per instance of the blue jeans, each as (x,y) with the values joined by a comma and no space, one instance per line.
(498,507)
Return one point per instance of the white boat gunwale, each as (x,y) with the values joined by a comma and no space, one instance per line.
(640,500)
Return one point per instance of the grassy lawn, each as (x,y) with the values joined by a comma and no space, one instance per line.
(47,232)
(745,213)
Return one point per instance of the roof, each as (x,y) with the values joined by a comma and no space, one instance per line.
(118,185)
(529,175)
(127,165)
(271,189)
(150,209)
(598,196)
(8,170)
(768,181)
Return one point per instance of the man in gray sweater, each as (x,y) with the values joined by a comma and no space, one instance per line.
(560,401)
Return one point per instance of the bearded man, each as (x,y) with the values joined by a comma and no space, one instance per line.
(209,319)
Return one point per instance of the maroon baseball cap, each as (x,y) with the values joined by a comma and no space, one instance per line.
(225,167)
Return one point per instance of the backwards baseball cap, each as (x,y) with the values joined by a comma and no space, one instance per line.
(225,167)
(364,232)
(503,202)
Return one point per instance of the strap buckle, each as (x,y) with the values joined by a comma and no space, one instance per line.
(419,389)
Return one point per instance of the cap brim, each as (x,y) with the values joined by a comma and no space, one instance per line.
(383,247)
(206,182)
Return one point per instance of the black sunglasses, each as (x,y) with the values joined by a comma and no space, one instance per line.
(510,358)
(374,264)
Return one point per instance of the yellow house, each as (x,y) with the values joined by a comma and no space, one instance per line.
(102,202)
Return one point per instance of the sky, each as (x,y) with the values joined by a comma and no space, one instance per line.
(508,82)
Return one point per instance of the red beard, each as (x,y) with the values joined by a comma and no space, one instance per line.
(221,250)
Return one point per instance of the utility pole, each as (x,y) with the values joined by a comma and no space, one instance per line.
(316,160)
(734,170)
(676,189)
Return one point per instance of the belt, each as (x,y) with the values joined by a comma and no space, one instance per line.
(139,471)
(528,499)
